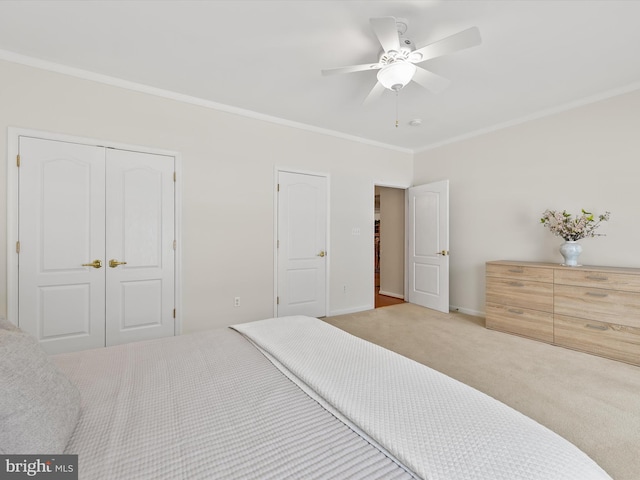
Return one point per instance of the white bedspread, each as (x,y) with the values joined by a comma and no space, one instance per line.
(206,406)
(438,427)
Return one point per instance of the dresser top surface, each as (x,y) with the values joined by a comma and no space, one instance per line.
(628,270)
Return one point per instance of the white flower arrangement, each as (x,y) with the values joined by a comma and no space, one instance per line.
(571,229)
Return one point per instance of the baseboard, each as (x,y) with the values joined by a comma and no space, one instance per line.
(362,308)
(389,294)
(467,311)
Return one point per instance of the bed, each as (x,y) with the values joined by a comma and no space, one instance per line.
(279,398)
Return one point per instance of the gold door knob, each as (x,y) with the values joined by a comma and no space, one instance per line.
(321,254)
(113,263)
(94,264)
(444,253)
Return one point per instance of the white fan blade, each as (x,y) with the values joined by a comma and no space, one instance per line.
(387,32)
(459,41)
(352,68)
(430,81)
(375,92)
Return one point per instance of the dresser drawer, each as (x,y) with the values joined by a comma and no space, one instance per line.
(521,321)
(610,306)
(598,279)
(520,293)
(605,339)
(522,272)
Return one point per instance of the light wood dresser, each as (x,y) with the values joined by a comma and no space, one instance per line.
(592,309)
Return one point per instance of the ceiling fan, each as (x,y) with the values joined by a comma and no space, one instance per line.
(397,63)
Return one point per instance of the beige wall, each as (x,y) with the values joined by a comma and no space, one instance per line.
(392,241)
(501,182)
(228,164)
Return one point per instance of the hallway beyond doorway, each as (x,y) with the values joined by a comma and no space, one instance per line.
(384,300)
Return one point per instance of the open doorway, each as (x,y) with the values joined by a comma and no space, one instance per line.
(389,245)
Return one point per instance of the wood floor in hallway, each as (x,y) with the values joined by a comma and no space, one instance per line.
(384,300)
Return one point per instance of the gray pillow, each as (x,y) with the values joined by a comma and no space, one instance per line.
(39,406)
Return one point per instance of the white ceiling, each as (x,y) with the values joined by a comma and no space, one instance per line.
(265,57)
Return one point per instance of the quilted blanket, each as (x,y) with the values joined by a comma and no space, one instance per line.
(207,406)
(438,427)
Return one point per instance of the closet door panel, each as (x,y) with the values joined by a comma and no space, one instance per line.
(140,252)
(61,230)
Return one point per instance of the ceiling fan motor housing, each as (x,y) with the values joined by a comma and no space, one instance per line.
(403,53)
(397,69)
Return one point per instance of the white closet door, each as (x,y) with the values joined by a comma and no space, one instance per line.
(140,236)
(62,227)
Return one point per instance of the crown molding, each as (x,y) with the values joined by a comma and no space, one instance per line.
(539,114)
(201,102)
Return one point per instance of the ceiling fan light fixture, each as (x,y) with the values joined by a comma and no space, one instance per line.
(396,75)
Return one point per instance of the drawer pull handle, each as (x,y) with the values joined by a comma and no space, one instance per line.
(595,294)
(516,270)
(597,278)
(596,327)
(517,312)
(516,284)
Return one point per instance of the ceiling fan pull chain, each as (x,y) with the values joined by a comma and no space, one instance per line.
(397,92)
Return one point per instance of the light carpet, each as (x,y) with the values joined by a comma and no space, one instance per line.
(591,401)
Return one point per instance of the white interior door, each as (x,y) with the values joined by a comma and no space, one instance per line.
(302,240)
(429,245)
(61,229)
(139,261)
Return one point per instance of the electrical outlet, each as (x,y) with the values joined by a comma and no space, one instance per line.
(236,302)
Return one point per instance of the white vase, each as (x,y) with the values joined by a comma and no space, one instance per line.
(571,250)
